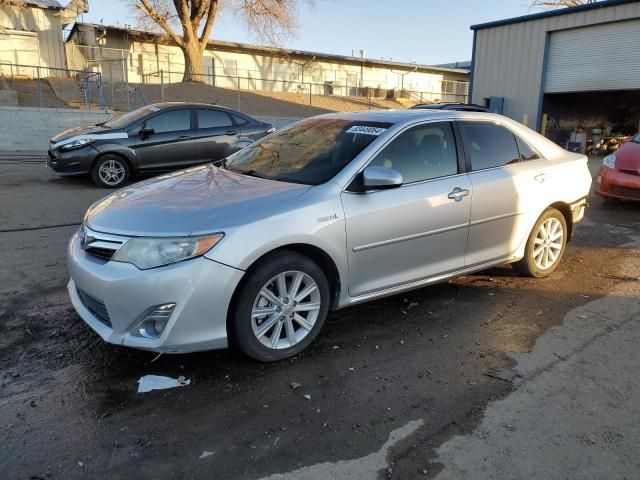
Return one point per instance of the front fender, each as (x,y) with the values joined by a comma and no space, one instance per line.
(128,153)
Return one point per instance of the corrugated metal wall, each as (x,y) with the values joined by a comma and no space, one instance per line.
(509,59)
(46,23)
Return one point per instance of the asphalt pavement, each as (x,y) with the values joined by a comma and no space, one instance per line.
(486,376)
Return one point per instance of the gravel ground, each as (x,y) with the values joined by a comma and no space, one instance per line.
(384,386)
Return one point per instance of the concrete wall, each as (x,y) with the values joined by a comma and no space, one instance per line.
(509,59)
(26,128)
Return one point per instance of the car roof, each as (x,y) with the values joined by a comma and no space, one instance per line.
(401,116)
(168,105)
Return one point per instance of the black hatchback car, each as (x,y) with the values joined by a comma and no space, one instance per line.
(153,139)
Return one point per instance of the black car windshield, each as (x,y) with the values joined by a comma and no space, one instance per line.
(311,152)
(131,117)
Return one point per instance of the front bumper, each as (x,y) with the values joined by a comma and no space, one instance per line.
(200,288)
(616,184)
(73,162)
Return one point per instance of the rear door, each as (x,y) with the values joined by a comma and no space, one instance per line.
(170,145)
(217,135)
(508,189)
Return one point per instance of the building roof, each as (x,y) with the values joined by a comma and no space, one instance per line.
(252,48)
(40,3)
(552,13)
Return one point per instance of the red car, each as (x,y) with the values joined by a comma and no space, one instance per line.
(619,176)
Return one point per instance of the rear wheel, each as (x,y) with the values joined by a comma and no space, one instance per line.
(110,171)
(545,246)
(281,307)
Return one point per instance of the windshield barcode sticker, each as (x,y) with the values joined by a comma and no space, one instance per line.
(366,130)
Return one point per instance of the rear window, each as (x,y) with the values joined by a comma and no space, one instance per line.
(310,152)
(213,119)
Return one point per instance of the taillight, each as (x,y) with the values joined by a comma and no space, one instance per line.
(270,130)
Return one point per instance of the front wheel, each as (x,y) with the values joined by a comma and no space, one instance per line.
(110,171)
(545,246)
(281,307)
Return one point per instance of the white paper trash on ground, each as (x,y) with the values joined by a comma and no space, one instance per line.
(157,382)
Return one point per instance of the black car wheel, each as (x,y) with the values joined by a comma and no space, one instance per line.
(282,305)
(110,171)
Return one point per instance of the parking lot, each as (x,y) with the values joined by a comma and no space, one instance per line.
(382,389)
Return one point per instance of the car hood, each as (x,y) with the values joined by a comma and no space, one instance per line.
(95,132)
(628,156)
(203,199)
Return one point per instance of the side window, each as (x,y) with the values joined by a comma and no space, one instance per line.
(213,119)
(489,145)
(239,120)
(421,153)
(526,152)
(171,121)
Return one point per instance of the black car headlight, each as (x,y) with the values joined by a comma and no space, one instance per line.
(81,142)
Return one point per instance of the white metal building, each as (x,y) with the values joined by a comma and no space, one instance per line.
(31,35)
(562,70)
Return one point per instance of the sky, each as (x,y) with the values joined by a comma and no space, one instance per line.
(422,31)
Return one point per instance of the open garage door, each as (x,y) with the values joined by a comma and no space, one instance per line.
(595,58)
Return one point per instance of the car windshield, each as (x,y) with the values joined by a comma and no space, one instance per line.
(131,117)
(636,138)
(310,152)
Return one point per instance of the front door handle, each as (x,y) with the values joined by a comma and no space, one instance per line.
(232,132)
(458,194)
(184,137)
(540,177)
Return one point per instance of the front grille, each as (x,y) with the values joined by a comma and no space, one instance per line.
(95,306)
(626,192)
(631,172)
(99,244)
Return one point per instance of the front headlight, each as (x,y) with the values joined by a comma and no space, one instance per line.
(81,142)
(147,253)
(609,161)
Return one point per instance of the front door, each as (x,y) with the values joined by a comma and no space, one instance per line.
(171,142)
(415,231)
(509,180)
(216,135)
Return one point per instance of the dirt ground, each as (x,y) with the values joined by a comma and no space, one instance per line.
(398,376)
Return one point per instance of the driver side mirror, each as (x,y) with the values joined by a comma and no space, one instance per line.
(146,132)
(376,178)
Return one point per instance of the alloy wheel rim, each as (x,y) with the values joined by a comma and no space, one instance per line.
(285,310)
(111,172)
(548,244)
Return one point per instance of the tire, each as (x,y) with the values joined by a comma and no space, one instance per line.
(267,326)
(110,171)
(539,264)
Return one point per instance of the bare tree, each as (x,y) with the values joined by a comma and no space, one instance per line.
(269,20)
(560,3)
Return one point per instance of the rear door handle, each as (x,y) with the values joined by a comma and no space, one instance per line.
(232,132)
(185,137)
(458,194)
(540,177)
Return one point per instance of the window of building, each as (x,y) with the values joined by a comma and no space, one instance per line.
(171,121)
(230,67)
(213,119)
(421,153)
(489,145)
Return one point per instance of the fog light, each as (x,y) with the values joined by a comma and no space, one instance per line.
(155,321)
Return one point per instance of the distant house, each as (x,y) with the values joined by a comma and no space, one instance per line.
(31,35)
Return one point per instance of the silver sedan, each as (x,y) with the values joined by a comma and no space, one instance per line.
(329,212)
